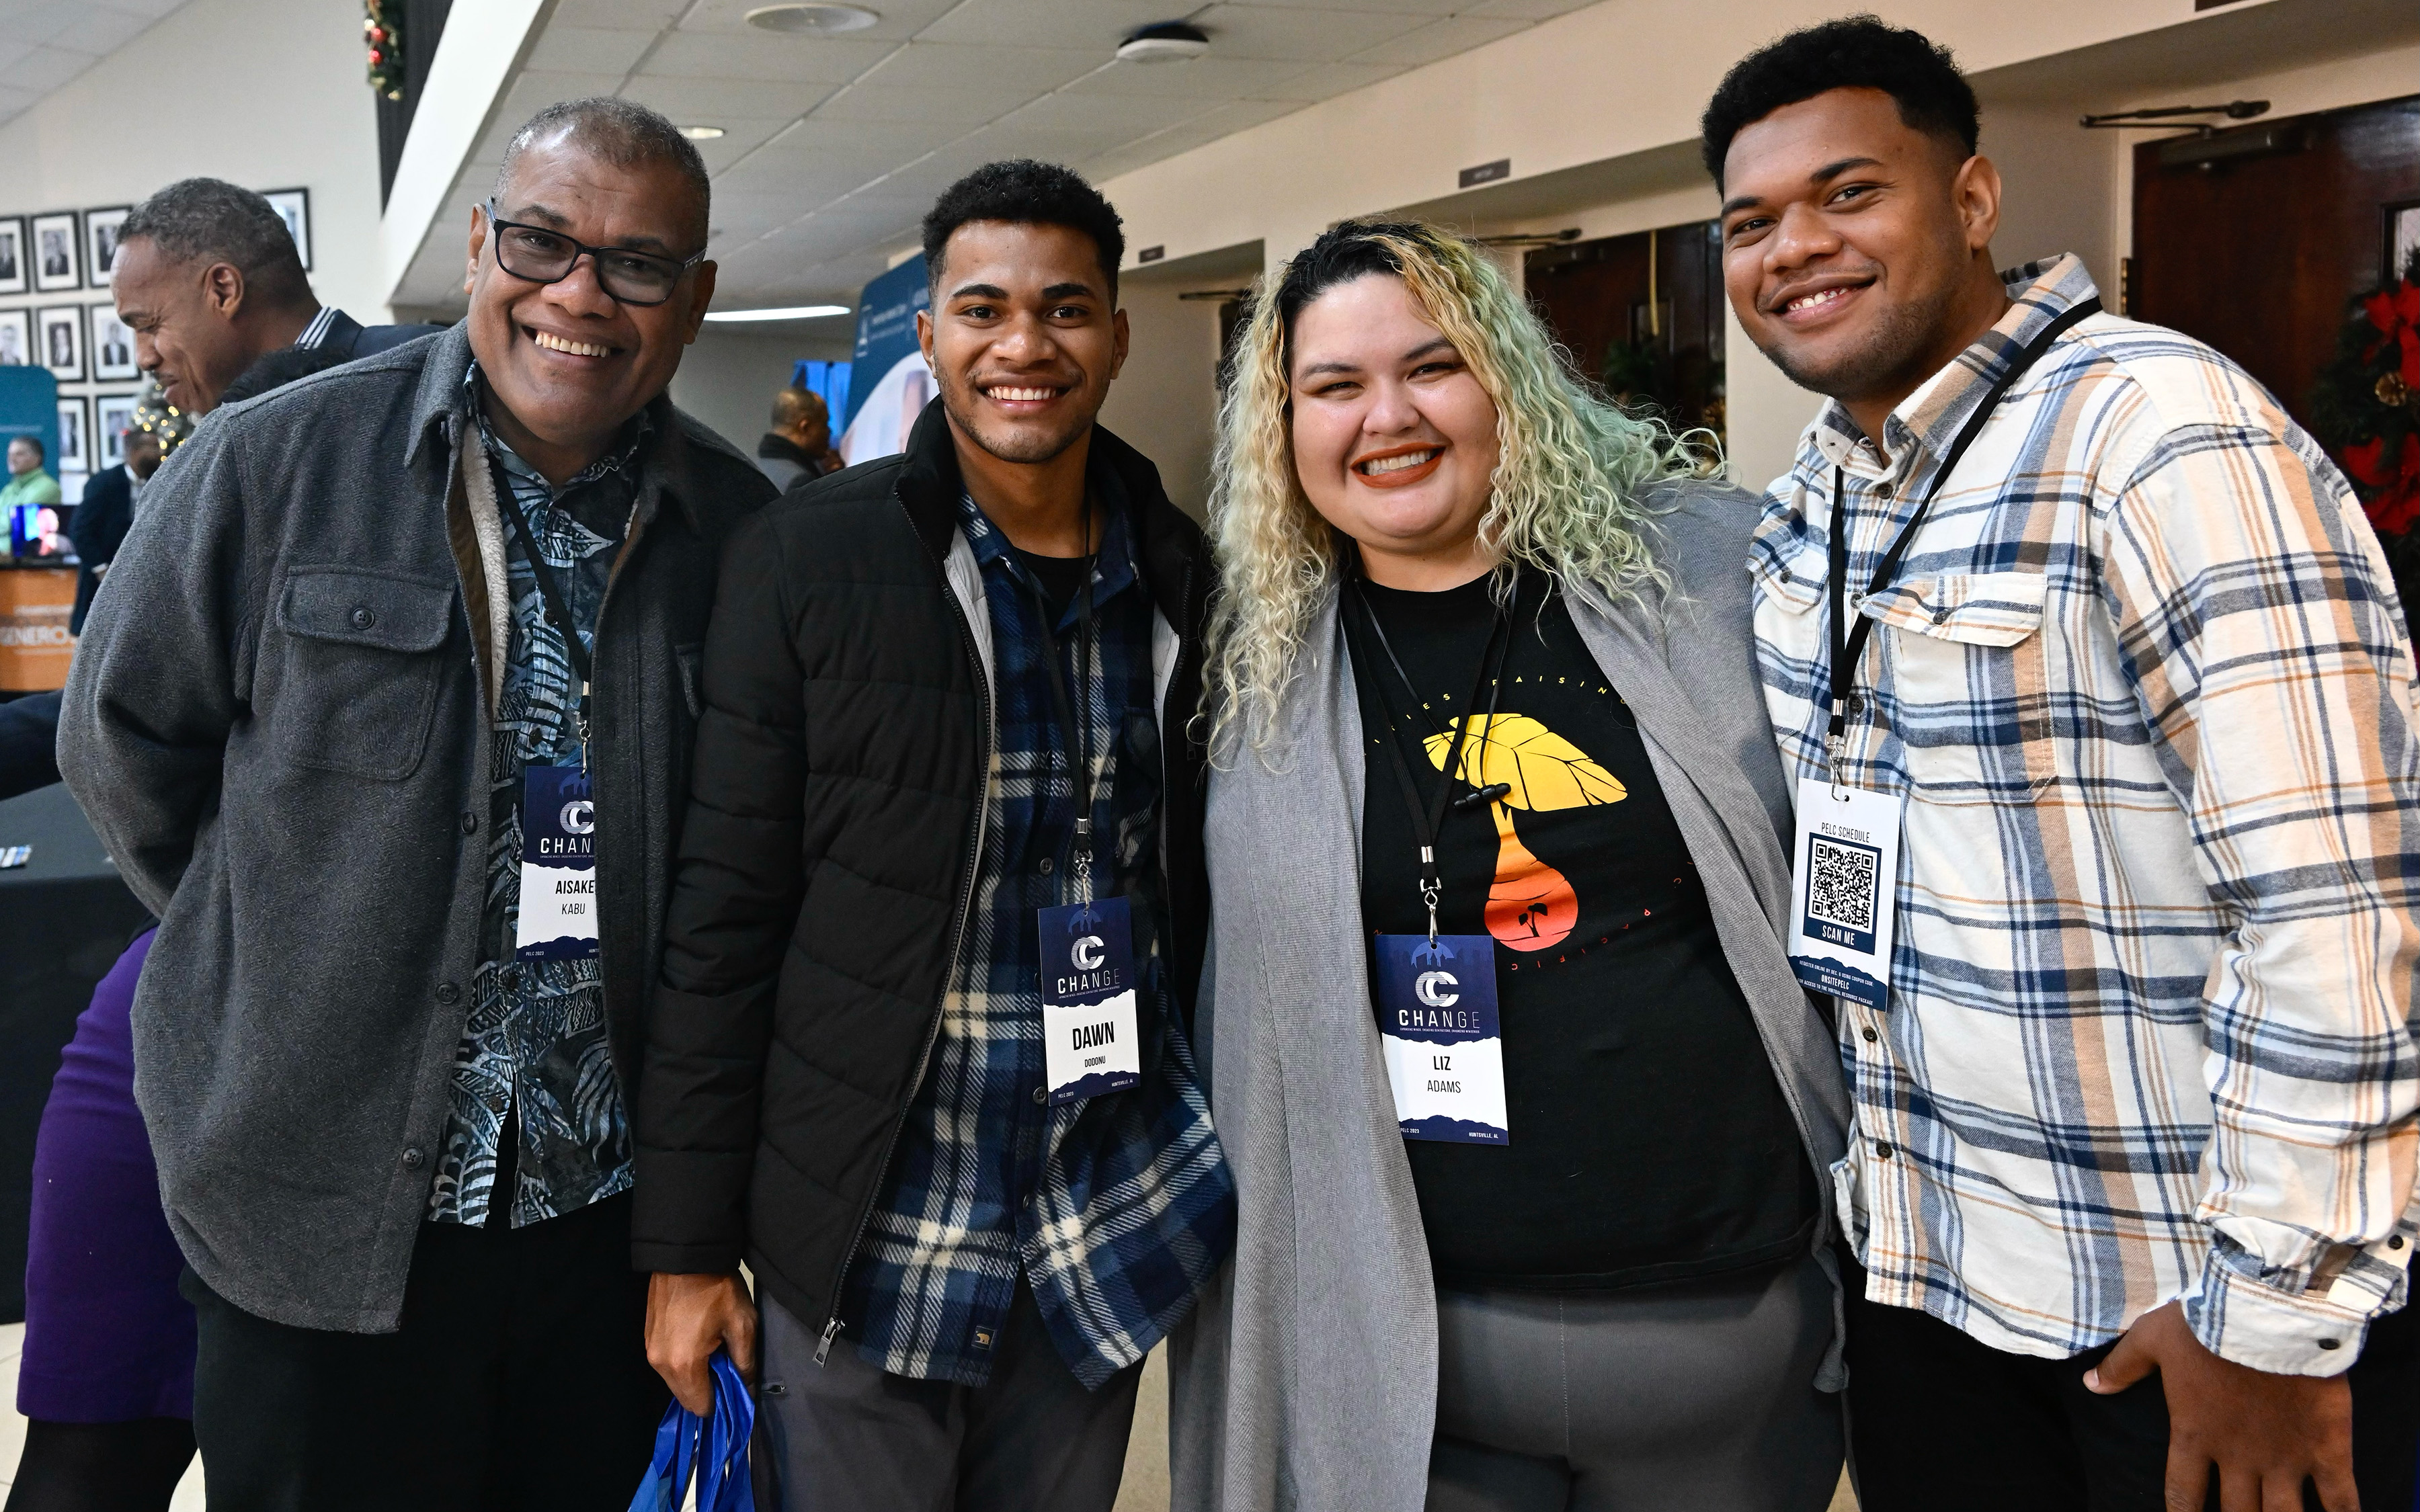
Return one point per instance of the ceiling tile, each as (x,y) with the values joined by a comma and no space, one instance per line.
(1093,24)
(738,139)
(765,56)
(1525,10)
(41,22)
(617,15)
(1224,121)
(883,143)
(1306,36)
(590,49)
(148,10)
(953,66)
(1125,117)
(1207,77)
(45,68)
(1328,80)
(964,106)
(12,49)
(694,100)
(100,31)
(900,18)
(1441,40)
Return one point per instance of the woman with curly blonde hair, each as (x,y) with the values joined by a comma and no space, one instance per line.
(1529,1121)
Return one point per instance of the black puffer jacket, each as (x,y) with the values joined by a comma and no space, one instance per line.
(829,856)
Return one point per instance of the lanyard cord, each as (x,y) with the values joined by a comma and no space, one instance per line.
(1849,643)
(1427,822)
(558,612)
(1076,718)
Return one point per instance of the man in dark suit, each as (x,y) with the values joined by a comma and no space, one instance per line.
(208,278)
(107,513)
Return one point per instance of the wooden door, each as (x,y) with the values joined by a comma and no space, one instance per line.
(1643,316)
(2254,239)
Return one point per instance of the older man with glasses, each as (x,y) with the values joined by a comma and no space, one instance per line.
(357,728)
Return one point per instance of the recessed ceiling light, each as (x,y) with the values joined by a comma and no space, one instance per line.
(795,312)
(1165,41)
(701,134)
(823,19)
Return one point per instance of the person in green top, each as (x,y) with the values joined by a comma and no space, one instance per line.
(27,483)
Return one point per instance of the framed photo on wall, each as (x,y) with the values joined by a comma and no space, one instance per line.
(113,417)
(62,332)
(56,263)
(101,240)
(13,267)
(113,346)
(295,204)
(16,338)
(76,442)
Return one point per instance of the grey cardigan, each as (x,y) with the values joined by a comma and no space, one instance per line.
(1308,1377)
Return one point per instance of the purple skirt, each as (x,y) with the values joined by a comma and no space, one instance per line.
(107,1337)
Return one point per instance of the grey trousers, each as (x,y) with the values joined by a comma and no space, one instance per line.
(849,1437)
(1699,1395)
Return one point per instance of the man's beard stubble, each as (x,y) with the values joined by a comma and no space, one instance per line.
(1026,449)
(1902,339)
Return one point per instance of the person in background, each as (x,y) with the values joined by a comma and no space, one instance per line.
(28,483)
(107,513)
(798,447)
(2065,612)
(1484,708)
(332,722)
(847,1081)
(208,280)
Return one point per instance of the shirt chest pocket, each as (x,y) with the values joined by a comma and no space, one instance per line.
(359,666)
(1965,669)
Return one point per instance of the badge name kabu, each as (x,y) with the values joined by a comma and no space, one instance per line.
(1089,1043)
(1444,1043)
(558,907)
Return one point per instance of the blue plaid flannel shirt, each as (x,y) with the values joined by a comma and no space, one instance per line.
(1117,1210)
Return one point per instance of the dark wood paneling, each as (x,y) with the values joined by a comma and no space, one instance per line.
(2258,254)
(1594,296)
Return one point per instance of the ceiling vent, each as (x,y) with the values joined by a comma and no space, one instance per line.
(1166,42)
(813,20)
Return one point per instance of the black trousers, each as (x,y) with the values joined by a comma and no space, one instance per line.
(1939,1420)
(519,1381)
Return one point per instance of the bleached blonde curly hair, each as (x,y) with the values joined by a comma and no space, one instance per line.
(1571,470)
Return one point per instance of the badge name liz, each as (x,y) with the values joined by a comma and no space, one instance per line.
(558,907)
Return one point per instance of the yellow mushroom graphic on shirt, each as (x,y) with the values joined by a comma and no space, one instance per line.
(1530,906)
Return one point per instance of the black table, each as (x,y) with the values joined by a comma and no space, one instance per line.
(65,918)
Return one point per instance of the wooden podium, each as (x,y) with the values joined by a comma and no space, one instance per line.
(36,602)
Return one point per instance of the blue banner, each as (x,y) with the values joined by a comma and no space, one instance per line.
(887,386)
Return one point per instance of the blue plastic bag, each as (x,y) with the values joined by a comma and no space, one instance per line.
(715,1447)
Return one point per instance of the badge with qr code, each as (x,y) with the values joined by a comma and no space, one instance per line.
(1844,891)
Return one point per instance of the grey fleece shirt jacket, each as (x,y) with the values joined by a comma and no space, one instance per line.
(278,720)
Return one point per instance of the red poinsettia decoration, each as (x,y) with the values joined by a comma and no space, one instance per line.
(2366,406)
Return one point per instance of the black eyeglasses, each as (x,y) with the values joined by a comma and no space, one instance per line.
(544,256)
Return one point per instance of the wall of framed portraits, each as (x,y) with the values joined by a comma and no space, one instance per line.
(163,107)
(56,312)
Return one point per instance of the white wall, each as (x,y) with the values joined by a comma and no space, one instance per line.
(1164,402)
(269,94)
(728,379)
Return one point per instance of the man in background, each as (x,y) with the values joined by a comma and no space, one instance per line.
(27,483)
(800,444)
(107,513)
(208,278)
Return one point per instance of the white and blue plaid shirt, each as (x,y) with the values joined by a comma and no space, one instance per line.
(2144,688)
(1116,1210)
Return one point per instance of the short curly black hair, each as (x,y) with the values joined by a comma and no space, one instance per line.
(1026,192)
(1853,52)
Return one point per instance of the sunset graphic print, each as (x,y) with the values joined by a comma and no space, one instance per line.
(1530,904)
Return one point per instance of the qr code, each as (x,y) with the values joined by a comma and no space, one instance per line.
(1841,884)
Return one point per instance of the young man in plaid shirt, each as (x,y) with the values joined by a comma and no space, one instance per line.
(2130,1193)
(919,1051)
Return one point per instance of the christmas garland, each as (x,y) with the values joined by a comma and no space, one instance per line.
(382,26)
(2365,405)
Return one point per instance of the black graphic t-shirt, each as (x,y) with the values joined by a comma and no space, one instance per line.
(1650,1140)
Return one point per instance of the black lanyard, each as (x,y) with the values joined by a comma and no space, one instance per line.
(1076,718)
(558,609)
(1849,642)
(1428,822)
